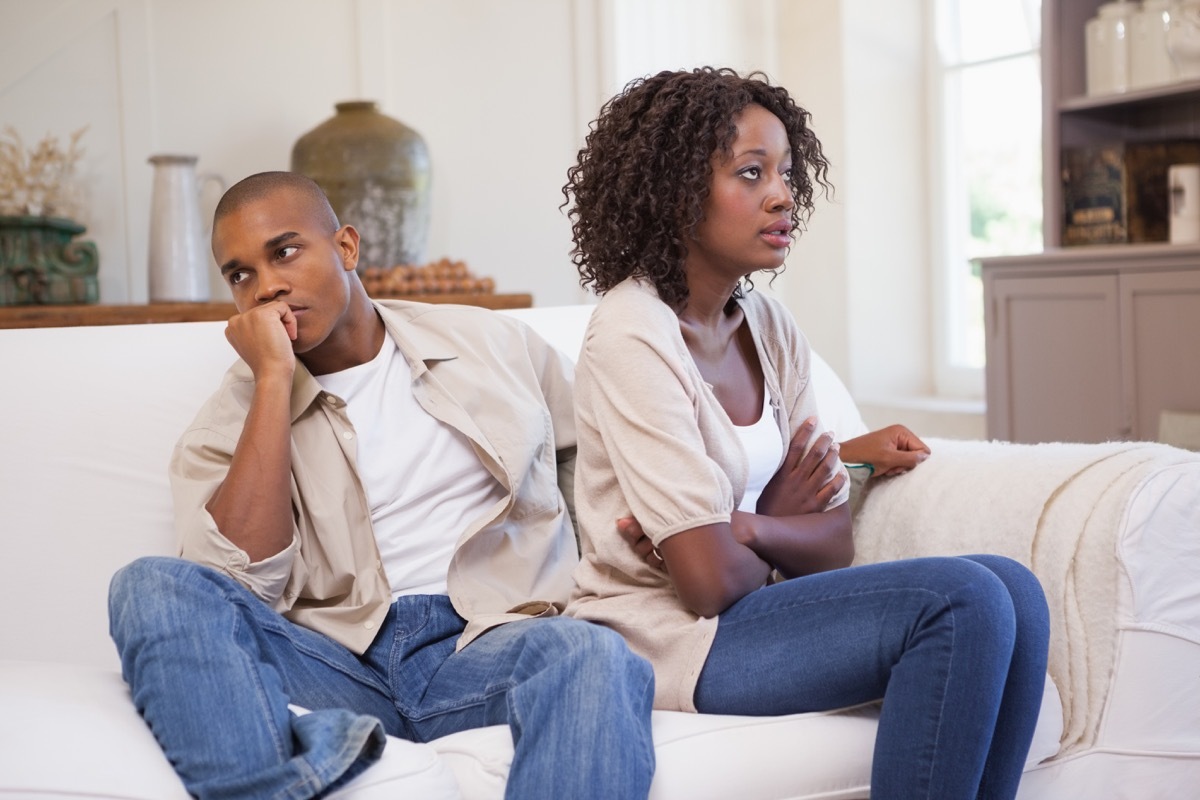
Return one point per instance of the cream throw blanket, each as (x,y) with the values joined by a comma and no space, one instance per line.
(1057,508)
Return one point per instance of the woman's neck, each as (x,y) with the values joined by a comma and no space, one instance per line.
(708,303)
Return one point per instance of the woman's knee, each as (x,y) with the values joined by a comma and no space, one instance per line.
(1022,584)
(1025,591)
(977,597)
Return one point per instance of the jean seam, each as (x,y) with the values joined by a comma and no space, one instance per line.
(831,597)
(937,734)
(464,703)
(254,668)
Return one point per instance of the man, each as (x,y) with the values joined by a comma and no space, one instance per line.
(372,528)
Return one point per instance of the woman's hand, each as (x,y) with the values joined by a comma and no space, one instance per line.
(631,530)
(893,450)
(805,482)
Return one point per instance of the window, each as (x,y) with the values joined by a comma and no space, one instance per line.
(986,83)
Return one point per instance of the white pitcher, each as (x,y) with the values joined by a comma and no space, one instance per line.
(179,239)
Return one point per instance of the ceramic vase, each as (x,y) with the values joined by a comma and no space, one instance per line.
(376,172)
(41,262)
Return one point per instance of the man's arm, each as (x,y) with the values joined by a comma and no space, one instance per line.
(252,507)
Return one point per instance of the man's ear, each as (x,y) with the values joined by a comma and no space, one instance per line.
(347,239)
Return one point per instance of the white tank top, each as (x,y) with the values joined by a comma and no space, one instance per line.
(423,481)
(764,452)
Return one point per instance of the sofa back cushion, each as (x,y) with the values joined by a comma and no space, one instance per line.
(88,419)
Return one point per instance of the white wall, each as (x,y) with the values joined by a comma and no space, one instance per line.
(492,86)
(858,280)
(502,93)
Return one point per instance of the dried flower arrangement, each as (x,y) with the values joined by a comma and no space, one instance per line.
(41,181)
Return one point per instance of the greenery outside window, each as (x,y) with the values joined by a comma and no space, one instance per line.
(987,184)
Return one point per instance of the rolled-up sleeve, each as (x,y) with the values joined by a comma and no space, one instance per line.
(199,464)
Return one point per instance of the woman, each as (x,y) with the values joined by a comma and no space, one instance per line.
(715,532)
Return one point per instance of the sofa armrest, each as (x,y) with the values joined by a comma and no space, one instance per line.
(1065,511)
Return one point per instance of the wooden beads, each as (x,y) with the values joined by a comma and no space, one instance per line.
(438,277)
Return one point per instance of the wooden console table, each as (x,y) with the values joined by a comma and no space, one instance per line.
(73,315)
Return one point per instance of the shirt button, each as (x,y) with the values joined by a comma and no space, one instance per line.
(369,625)
(331,400)
(347,435)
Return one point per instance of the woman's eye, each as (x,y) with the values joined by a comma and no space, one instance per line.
(752,173)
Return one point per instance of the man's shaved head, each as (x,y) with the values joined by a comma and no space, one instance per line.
(258,186)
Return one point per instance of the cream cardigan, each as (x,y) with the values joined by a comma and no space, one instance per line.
(654,443)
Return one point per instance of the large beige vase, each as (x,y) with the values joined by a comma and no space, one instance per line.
(376,172)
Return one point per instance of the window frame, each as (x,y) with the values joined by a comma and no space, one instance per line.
(948,185)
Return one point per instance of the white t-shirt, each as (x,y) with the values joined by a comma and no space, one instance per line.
(764,452)
(423,480)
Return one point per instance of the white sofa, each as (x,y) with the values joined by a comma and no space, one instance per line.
(88,417)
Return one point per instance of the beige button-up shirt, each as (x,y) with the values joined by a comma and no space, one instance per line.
(488,376)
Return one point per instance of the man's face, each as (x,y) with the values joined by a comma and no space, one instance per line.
(279,248)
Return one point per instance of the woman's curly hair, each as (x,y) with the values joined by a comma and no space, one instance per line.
(637,191)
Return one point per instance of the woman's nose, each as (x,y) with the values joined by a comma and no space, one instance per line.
(780,197)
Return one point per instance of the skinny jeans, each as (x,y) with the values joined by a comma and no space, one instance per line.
(955,647)
(213,669)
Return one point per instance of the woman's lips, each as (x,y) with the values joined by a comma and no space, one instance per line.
(778,237)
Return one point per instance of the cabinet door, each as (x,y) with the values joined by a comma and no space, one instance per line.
(1053,360)
(1160,333)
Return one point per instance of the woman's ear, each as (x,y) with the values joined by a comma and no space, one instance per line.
(347,239)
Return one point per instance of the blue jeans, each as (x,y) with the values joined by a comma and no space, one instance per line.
(213,669)
(955,647)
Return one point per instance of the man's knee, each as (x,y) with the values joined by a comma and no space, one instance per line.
(599,653)
(150,591)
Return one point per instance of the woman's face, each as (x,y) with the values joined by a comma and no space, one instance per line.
(747,217)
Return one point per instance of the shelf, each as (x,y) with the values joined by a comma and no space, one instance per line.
(1097,258)
(72,316)
(1111,102)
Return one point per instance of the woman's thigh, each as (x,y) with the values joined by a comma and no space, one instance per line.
(830,640)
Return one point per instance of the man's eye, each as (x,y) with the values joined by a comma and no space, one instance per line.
(237,276)
(287,250)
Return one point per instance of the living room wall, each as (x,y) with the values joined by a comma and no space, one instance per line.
(491,86)
(502,93)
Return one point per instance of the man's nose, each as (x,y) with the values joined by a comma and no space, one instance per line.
(271,284)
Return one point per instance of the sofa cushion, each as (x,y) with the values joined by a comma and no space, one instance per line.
(73,732)
(710,757)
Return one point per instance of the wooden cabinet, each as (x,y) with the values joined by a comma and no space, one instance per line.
(1160,346)
(1092,343)
(1072,119)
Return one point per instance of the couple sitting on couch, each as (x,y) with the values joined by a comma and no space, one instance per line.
(373,525)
